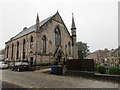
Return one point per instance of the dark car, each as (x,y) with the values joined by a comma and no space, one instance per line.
(20,66)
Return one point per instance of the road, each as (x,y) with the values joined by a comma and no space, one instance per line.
(38,79)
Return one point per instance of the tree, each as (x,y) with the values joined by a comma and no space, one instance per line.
(83,50)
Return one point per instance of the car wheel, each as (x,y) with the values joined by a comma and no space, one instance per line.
(12,69)
(18,69)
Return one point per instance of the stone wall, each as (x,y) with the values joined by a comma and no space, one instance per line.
(48,30)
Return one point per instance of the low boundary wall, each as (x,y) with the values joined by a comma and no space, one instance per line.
(115,78)
(80,64)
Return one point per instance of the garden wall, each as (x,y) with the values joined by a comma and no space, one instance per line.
(80,64)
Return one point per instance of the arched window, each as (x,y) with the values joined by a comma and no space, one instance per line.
(12,50)
(44,44)
(57,37)
(31,42)
(17,51)
(69,48)
(24,45)
(7,51)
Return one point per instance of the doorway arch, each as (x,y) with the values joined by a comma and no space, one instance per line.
(59,56)
(31,61)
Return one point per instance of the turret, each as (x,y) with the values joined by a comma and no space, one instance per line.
(73,28)
(73,32)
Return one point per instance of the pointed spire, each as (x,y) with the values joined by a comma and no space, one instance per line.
(57,12)
(73,23)
(37,20)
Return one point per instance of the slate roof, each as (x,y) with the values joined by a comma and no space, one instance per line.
(30,29)
(113,51)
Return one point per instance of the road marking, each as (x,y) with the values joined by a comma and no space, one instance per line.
(42,70)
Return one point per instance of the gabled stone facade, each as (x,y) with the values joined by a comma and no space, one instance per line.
(44,42)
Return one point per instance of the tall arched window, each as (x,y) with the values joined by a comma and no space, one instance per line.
(24,45)
(7,51)
(17,51)
(69,48)
(57,37)
(12,50)
(44,44)
(31,42)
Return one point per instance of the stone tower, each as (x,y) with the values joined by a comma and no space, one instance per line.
(73,32)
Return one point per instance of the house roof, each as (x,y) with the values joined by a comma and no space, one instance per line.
(113,51)
(32,29)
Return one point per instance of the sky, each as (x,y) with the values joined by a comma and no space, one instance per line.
(96,20)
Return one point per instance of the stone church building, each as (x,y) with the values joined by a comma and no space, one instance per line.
(46,41)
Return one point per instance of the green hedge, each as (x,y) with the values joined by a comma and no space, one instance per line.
(101,69)
(114,70)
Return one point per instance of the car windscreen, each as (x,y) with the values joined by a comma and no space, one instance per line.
(24,63)
(21,63)
(4,63)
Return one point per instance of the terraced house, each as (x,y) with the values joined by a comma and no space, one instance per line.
(43,42)
(114,56)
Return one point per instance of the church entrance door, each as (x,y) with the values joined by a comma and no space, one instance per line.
(31,61)
(59,56)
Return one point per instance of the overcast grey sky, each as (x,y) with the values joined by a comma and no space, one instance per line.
(96,20)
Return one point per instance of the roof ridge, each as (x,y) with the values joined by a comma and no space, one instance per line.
(24,32)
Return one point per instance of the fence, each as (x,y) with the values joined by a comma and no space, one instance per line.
(80,65)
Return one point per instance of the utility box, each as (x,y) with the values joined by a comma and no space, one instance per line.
(58,69)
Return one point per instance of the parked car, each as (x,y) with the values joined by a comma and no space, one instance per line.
(3,65)
(20,66)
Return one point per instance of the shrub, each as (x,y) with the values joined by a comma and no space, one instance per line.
(114,70)
(101,69)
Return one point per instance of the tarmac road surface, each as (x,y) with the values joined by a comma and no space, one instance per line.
(38,79)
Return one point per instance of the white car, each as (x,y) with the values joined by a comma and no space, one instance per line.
(3,65)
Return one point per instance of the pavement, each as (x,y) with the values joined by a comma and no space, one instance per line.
(41,79)
(43,70)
